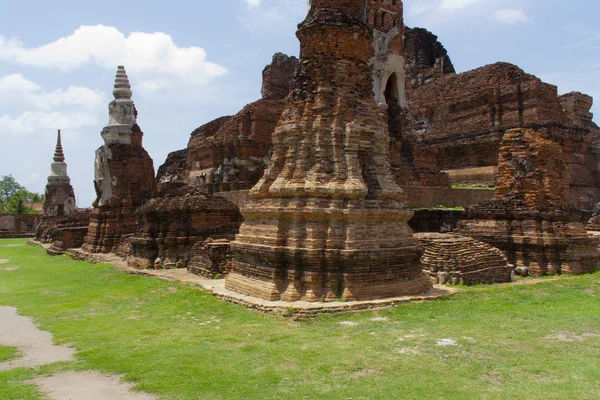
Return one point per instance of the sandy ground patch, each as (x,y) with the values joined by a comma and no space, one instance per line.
(37,349)
(88,385)
(35,345)
(3,260)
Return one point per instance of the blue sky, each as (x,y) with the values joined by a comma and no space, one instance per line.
(192,61)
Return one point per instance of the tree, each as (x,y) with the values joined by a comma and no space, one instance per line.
(14,196)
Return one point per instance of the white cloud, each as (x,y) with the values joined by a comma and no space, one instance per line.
(253,3)
(457,4)
(38,109)
(142,53)
(511,16)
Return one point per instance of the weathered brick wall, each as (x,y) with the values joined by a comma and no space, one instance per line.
(529,218)
(230,153)
(426,57)
(276,77)
(169,226)
(461,118)
(17,224)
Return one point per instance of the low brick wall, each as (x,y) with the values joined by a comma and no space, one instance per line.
(4,235)
(431,197)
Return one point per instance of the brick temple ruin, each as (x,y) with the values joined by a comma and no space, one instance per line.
(124,173)
(303,194)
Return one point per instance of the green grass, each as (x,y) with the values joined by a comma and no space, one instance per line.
(518,342)
(8,353)
(439,207)
(472,187)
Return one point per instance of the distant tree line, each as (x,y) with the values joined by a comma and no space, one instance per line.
(14,197)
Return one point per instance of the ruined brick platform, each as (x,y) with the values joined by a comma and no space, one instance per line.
(529,218)
(454,259)
(171,225)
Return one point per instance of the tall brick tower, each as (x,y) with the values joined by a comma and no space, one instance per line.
(124,173)
(59,196)
(329,221)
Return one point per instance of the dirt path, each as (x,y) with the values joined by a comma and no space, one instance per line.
(88,385)
(38,349)
(35,345)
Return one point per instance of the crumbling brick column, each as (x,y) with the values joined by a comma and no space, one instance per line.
(328,221)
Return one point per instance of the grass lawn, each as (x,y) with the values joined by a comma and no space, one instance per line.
(489,342)
(8,353)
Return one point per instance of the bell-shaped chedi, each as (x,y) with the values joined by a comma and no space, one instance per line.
(328,220)
(59,196)
(124,173)
(530,219)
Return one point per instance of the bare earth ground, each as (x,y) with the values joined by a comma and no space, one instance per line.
(36,345)
(38,349)
(89,385)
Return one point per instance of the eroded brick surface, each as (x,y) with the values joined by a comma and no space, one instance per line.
(530,219)
(170,225)
(461,118)
(454,259)
(328,221)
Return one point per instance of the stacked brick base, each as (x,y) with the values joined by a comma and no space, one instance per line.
(454,259)
(326,250)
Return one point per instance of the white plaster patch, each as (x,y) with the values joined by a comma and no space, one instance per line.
(571,337)
(446,342)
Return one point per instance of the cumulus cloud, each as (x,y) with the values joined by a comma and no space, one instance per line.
(140,52)
(41,110)
(511,16)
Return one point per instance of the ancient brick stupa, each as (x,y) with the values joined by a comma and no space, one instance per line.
(124,173)
(529,219)
(59,196)
(329,221)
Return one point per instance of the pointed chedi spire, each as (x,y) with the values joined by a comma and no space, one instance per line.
(122,88)
(121,111)
(59,156)
(59,194)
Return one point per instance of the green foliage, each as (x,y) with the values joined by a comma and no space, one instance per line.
(521,341)
(14,197)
